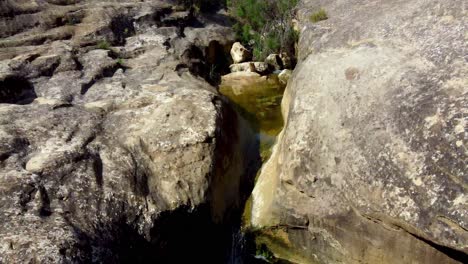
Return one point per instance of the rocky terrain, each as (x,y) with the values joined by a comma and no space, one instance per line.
(117,147)
(114,146)
(371,166)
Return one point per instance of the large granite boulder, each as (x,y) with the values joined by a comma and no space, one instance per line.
(117,152)
(371,166)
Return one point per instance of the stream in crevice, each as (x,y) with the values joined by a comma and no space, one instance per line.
(258,100)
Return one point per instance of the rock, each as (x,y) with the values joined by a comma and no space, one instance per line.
(242,78)
(239,53)
(371,165)
(243,67)
(286,60)
(284,76)
(104,161)
(258,67)
(295,25)
(261,67)
(274,61)
(37,163)
(240,75)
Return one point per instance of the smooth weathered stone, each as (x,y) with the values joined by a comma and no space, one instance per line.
(284,76)
(371,165)
(286,60)
(274,61)
(257,66)
(239,53)
(243,67)
(261,67)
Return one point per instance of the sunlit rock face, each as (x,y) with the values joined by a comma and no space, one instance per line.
(371,164)
(113,146)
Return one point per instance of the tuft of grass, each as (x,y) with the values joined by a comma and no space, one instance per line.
(120,61)
(103,44)
(319,16)
(263,252)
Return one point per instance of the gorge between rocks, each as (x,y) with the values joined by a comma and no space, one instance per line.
(131,133)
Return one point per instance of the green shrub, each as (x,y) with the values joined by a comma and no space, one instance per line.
(120,62)
(104,44)
(265,25)
(319,16)
(263,251)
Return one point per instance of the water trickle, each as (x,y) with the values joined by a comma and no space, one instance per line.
(258,100)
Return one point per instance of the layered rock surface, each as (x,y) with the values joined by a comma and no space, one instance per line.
(113,145)
(371,166)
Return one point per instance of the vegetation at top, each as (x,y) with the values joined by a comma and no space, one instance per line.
(319,16)
(265,25)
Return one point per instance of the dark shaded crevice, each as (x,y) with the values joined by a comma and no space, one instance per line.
(218,60)
(160,13)
(122,28)
(78,64)
(452,253)
(49,71)
(183,229)
(45,209)
(139,176)
(16,90)
(233,128)
(70,18)
(9,9)
(64,2)
(27,195)
(98,169)
(105,73)
(4,156)
(210,63)
(183,235)
(19,146)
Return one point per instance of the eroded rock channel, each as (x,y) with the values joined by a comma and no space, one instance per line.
(257,99)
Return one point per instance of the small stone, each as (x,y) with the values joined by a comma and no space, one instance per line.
(239,53)
(242,67)
(284,76)
(261,67)
(258,67)
(37,163)
(274,61)
(286,60)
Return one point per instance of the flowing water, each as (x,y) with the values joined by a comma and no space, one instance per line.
(258,100)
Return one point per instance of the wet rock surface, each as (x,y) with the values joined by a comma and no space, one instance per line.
(371,164)
(114,147)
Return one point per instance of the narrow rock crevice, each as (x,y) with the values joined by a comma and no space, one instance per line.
(16,90)
(104,73)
